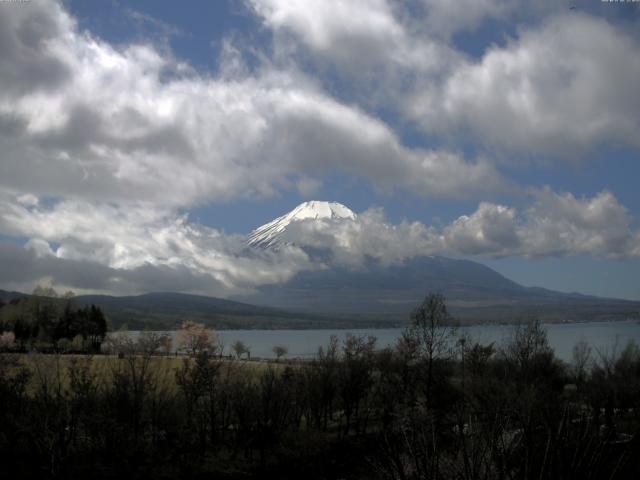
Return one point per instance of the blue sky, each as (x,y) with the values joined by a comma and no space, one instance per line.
(145,138)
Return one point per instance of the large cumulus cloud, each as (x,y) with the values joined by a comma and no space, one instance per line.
(134,123)
(564,88)
(562,85)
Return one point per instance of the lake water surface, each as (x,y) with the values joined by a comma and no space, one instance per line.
(603,336)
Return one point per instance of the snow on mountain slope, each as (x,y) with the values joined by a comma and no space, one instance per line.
(272,233)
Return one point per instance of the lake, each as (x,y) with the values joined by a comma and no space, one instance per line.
(604,336)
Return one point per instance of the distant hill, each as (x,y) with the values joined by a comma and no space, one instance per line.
(6,296)
(167,310)
(352,300)
(474,293)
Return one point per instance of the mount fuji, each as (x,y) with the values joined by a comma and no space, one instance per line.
(278,231)
(374,289)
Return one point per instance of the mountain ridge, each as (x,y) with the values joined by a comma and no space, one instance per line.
(167,311)
(474,291)
(393,292)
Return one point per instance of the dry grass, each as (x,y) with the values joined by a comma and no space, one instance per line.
(54,371)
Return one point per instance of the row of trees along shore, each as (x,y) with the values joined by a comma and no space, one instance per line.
(47,322)
(51,323)
(434,406)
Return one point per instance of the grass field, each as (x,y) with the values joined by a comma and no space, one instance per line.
(53,371)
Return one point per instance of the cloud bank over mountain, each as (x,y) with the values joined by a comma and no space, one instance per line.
(136,250)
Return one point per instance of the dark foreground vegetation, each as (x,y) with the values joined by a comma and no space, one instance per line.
(46,322)
(433,407)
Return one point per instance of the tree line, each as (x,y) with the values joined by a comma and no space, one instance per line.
(434,406)
(48,322)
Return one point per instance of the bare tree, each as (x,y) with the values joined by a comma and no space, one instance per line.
(280,351)
(430,333)
(581,361)
(240,348)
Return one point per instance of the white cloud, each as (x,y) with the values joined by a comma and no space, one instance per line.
(24,268)
(491,230)
(351,242)
(40,247)
(564,88)
(555,224)
(561,224)
(444,17)
(326,24)
(137,125)
(376,47)
(139,237)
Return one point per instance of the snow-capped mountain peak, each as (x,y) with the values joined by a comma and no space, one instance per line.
(269,234)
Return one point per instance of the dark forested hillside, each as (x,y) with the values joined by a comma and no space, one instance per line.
(165,310)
